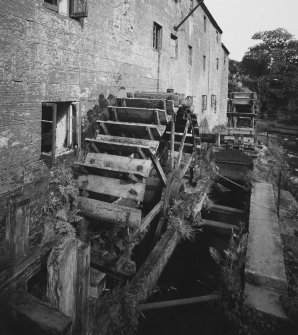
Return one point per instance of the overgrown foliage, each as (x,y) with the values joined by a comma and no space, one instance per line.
(272,70)
(61,206)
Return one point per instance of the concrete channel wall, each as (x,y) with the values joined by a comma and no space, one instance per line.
(265,273)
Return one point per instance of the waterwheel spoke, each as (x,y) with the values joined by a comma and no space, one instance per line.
(172,142)
(181,147)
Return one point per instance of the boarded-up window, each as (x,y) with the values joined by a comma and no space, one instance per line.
(78,8)
(157,36)
(174,46)
(204,102)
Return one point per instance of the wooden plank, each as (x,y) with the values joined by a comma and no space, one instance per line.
(116,187)
(140,167)
(141,115)
(35,317)
(142,103)
(149,218)
(152,144)
(110,213)
(179,302)
(138,130)
(118,148)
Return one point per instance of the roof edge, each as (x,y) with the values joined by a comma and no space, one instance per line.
(225,49)
(211,18)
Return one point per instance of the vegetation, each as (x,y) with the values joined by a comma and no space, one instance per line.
(270,68)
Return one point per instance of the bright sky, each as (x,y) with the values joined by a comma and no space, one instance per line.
(240,19)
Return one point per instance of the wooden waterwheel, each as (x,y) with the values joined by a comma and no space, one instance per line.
(124,178)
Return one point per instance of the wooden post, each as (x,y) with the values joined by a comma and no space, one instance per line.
(82,289)
(279,190)
(54,126)
(68,282)
(62,274)
(17,228)
(172,142)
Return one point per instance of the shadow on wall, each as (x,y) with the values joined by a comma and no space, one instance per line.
(204,126)
(98,112)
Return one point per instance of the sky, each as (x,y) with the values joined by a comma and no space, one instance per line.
(240,19)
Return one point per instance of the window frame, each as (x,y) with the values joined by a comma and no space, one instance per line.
(213,101)
(174,38)
(204,102)
(73,105)
(204,62)
(157,36)
(190,55)
(53,7)
(72,13)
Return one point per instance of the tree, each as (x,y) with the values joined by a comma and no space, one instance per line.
(273,65)
(235,83)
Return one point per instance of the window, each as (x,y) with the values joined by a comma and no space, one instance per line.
(73,8)
(174,46)
(60,128)
(217,36)
(217,63)
(213,102)
(204,63)
(51,4)
(189,55)
(205,23)
(157,36)
(190,5)
(225,60)
(204,102)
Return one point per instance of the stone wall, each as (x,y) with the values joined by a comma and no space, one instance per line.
(50,57)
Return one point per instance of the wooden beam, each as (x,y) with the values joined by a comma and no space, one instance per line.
(134,114)
(116,163)
(226,210)
(159,169)
(179,302)
(110,213)
(219,227)
(132,129)
(125,148)
(110,186)
(143,103)
(149,218)
(35,317)
(182,143)
(152,144)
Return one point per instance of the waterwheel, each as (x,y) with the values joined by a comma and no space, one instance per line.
(124,178)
